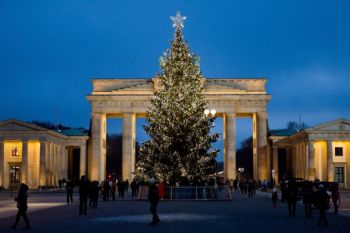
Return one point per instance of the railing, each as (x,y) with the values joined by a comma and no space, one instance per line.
(192,193)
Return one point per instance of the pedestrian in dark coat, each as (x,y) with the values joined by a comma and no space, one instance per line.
(121,188)
(322,200)
(113,189)
(335,197)
(106,190)
(307,199)
(274,196)
(83,195)
(291,192)
(22,206)
(69,190)
(133,188)
(153,197)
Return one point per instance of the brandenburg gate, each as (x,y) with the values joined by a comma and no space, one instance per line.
(129,99)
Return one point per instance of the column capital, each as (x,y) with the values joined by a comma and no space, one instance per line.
(98,114)
(128,114)
(230,114)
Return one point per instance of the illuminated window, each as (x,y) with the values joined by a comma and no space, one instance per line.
(14,151)
(339,151)
(339,174)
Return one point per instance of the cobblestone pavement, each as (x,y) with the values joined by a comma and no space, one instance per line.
(240,215)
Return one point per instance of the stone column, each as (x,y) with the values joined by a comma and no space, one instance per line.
(70,162)
(49,164)
(311,159)
(330,166)
(82,160)
(129,143)
(56,164)
(255,146)
(262,146)
(275,162)
(230,146)
(65,162)
(24,166)
(62,161)
(97,158)
(52,162)
(2,163)
(297,160)
(42,169)
(306,146)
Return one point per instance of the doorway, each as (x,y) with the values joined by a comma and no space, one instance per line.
(14,173)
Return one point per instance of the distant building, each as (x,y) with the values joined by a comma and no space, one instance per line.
(38,156)
(321,152)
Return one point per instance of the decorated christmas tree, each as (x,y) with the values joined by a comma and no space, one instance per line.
(180,145)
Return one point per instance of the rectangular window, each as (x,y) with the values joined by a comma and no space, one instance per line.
(339,174)
(14,151)
(339,151)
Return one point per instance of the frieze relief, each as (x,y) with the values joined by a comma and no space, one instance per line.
(108,85)
(105,85)
(141,105)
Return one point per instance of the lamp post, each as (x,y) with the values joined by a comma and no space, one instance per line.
(241,170)
(211,112)
(273,177)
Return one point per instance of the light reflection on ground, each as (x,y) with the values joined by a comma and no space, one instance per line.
(163,217)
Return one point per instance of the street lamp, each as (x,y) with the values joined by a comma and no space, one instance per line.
(241,170)
(273,177)
(212,112)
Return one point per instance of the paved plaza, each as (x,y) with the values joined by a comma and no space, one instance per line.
(49,213)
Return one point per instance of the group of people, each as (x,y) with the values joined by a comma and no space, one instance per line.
(94,190)
(243,186)
(314,196)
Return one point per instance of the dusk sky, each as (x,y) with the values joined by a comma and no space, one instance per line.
(50,50)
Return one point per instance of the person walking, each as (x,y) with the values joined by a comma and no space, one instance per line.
(121,188)
(83,195)
(335,197)
(230,184)
(69,192)
(153,197)
(307,199)
(133,188)
(322,200)
(283,186)
(106,190)
(274,197)
(250,187)
(126,183)
(22,206)
(291,198)
(113,190)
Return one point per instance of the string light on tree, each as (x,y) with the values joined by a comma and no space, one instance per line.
(180,145)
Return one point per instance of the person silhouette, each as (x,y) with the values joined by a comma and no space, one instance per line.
(153,197)
(22,206)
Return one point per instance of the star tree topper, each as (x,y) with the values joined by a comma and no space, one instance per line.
(178,20)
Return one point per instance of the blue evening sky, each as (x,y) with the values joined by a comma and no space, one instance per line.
(50,50)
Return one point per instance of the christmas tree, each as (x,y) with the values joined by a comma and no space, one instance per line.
(180,140)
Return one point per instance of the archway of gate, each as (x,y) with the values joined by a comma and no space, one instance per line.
(129,99)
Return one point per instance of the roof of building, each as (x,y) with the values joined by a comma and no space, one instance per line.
(73,132)
(283,132)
